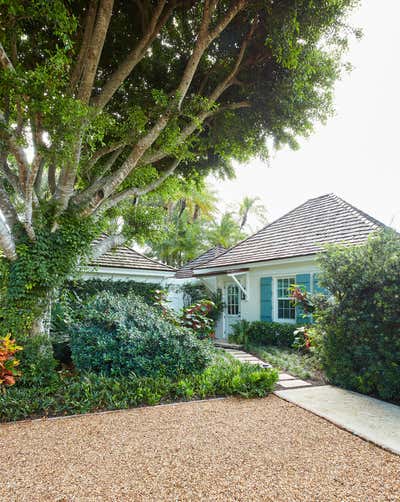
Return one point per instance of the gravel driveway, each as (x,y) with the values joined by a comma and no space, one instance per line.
(219,450)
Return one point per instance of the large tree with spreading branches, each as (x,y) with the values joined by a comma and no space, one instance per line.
(103,102)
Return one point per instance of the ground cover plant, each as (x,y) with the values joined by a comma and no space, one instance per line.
(89,392)
(299,364)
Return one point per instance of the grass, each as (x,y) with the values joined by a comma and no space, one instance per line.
(300,365)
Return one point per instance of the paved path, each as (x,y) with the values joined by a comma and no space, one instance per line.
(364,416)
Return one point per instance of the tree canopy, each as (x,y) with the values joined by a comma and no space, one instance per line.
(103,102)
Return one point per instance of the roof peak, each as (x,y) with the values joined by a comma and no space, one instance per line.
(302,231)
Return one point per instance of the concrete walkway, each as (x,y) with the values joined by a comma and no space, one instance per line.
(364,416)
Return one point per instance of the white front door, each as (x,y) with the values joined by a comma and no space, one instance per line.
(232,308)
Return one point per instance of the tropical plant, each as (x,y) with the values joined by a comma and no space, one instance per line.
(8,361)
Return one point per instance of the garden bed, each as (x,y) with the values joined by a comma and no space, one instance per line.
(71,393)
(303,366)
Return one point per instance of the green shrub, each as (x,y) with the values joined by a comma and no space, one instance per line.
(89,392)
(121,334)
(264,333)
(359,329)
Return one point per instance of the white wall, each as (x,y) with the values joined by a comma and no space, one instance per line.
(250,307)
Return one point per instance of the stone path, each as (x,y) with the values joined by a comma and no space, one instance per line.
(285,381)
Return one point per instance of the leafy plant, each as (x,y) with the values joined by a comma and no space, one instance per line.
(121,335)
(89,392)
(359,328)
(8,361)
(264,333)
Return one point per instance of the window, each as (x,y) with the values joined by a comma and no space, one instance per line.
(232,300)
(286,309)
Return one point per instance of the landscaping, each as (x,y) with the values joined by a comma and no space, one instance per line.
(122,353)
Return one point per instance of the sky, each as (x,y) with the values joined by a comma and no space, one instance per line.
(356,154)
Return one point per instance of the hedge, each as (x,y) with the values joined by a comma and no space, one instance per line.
(264,333)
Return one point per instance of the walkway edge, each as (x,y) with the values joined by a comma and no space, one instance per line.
(338,424)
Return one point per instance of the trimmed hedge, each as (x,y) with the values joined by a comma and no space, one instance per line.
(120,334)
(88,392)
(264,333)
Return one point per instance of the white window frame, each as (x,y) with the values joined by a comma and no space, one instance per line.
(229,296)
(276,298)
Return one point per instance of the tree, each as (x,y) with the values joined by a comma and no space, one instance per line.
(102,101)
(251,206)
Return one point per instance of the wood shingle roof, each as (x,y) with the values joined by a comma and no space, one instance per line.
(187,270)
(301,232)
(126,257)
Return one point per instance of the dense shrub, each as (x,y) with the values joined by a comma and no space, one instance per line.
(90,392)
(121,334)
(68,307)
(359,329)
(263,333)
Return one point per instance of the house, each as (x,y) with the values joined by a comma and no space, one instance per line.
(186,272)
(126,264)
(255,275)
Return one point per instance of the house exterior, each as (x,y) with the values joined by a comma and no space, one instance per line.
(126,264)
(255,275)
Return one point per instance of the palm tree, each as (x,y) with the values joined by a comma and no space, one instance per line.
(251,206)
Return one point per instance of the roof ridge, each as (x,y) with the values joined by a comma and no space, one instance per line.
(147,257)
(263,228)
(358,212)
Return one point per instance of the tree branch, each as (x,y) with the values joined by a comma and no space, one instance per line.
(7,243)
(106,244)
(135,56)
(136,192)
(87,35)
(5,61)
(94,49)
(7,208)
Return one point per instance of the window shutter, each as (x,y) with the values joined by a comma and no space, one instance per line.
(304,281)
(266,298)
(317,287)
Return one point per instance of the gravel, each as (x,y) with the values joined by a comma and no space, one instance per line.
(219,450)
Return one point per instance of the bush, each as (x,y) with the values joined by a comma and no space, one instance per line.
(264,333)
(359,329)
(121,334)
(89,392)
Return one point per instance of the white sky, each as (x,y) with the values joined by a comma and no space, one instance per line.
(356,155)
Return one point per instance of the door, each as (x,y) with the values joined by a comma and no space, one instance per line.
(232,308)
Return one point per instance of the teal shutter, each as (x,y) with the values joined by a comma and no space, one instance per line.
(317,288)
(266,299)
(304,281)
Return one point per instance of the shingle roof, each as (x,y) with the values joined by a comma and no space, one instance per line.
(303,231)
(187,270)
(126,257)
